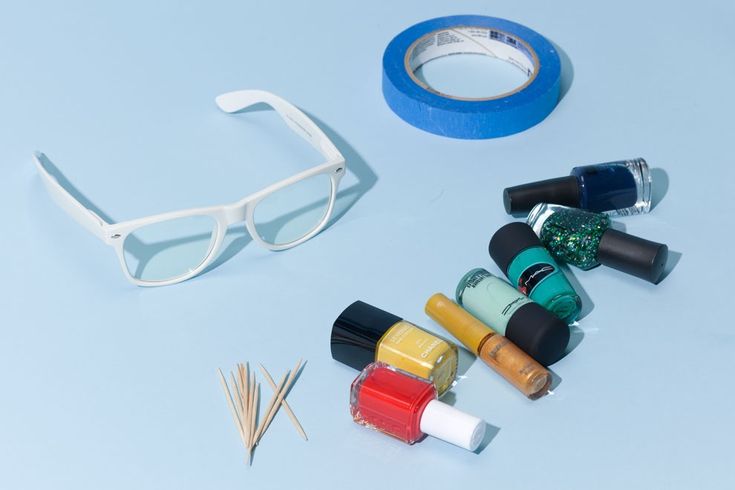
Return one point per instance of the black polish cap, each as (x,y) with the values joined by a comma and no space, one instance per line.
(356,333)
(633,255)
(540,333)
(522,198)
(509,241)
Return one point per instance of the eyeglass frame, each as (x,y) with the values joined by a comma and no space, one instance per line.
(114,234)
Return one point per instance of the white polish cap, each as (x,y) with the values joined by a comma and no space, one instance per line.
(451,425)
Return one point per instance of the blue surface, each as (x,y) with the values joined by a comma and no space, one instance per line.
(105,385)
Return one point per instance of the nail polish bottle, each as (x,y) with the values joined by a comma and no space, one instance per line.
(517,367)
(622,188)
(585,239)
(405,406)
(531,269)
(363,334)
(494,302)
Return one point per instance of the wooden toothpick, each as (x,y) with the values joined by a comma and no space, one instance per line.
(254,417)
(243,400)
(284,403)
(276,401)
(244,381)
(231,404)
(271,404)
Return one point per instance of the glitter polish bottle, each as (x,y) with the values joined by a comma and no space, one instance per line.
(497,304)
(622,188)
(585,239)
(517,367)
(532,270)
(405,406)
(363,334)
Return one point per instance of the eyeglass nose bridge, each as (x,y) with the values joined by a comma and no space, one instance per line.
(236,213)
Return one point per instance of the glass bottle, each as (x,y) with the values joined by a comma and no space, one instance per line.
(494,302)
(585,239)
(405,406)
(622,187)
(529,266)
(363,334)
(517,367)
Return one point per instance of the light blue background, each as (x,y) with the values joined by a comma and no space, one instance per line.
(105,385)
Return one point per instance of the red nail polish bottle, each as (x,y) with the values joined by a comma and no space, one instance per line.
(405,406)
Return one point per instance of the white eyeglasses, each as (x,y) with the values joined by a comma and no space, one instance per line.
(172,247)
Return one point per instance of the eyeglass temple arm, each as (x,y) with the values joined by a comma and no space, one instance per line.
(84,216)
(299,122)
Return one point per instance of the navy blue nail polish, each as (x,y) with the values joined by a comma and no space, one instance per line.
(622,188)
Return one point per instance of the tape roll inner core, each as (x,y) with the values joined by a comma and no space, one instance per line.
(471,40)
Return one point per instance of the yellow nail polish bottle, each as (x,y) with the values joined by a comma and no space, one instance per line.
(363,334)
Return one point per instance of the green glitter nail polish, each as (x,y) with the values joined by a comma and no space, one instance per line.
(571,235)
(585,239)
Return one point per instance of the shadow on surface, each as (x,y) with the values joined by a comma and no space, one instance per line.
(140,254)
(587,304)
(555,379)
(671,262)
(236,238)
(618,225)
(449,397)
(366,178)
(491,432)
(567,71)
(659,186)
(576,335)
(466,359)
(69,187)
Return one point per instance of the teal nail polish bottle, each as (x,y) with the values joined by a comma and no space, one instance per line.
(532,270)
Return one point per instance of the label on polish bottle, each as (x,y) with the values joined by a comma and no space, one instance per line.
(416,351)
(533,275)
(490,299)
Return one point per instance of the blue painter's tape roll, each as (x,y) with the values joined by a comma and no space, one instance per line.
(471,118)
